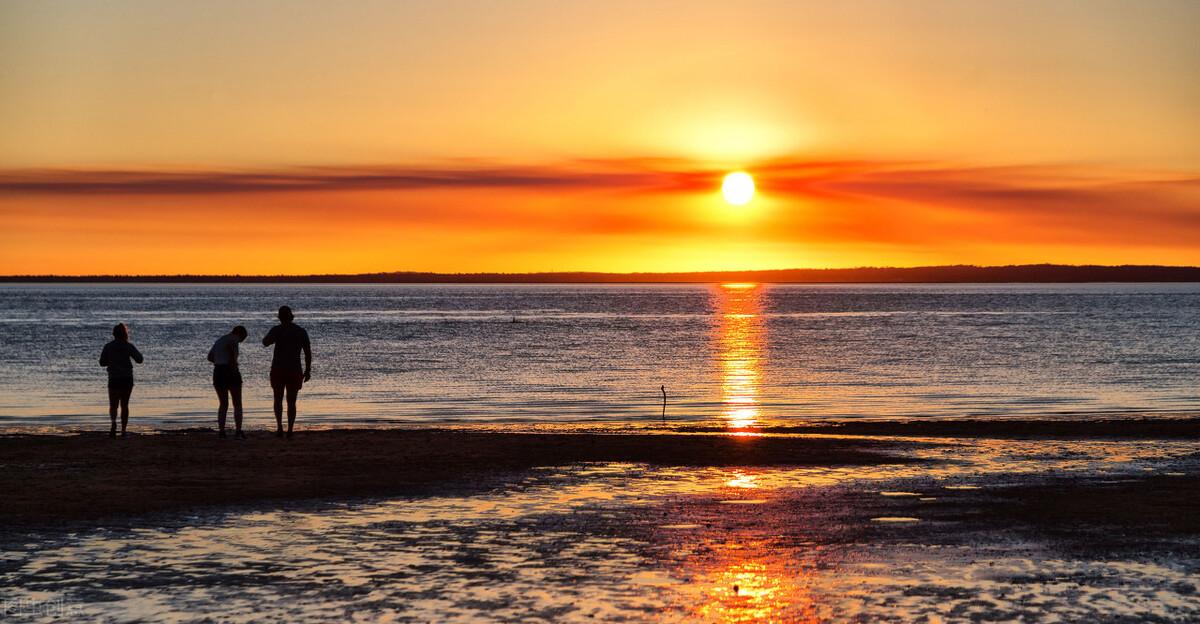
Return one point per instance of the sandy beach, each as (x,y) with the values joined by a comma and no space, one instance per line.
(90,475)
(1084,520)
(83,476)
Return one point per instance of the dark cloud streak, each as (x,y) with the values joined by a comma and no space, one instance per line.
(327,179)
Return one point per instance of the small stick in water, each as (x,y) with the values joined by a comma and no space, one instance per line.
(664,391)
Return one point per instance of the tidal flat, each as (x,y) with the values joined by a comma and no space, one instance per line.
(609,527)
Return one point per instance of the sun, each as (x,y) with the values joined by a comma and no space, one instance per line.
(738,188)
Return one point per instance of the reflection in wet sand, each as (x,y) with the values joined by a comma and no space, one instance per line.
(745,480)
(629,542)
(740,343)
(735,573)
(741,582)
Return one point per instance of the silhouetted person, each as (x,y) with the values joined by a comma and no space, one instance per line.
(227,379)
(286,375)
(118,356)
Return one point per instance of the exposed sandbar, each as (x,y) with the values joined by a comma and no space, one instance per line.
(47,478)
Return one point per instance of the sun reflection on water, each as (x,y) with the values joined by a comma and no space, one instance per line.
(743,583)
(740,339)
(743,480)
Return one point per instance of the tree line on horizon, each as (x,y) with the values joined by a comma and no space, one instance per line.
(1046,273)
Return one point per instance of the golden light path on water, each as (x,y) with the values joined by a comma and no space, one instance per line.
(740,345)
(741,578)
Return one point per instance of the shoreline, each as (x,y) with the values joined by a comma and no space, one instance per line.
(1186,425)
(88,476)
(1126,425)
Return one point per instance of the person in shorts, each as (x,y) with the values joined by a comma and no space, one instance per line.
(227,379)
(287,377)
(118,357)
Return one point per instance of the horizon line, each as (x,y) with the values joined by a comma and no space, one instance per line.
(948,273)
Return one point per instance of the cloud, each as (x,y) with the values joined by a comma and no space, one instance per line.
(865,200)
(914,180)
(617,174)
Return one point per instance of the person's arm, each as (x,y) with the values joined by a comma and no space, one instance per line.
(269,339)
(137,355)
(233,353)
(307,358)
(104,356)
(212,354)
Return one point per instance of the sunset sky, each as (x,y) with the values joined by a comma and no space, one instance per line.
(318,137)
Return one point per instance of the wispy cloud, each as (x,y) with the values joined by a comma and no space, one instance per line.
(876,200)
(869,178)
(594,174)
(625,213)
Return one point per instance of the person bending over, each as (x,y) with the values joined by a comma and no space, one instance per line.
(227,379)
(118,357)
(286,375)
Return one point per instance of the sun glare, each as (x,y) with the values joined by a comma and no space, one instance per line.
(738,188)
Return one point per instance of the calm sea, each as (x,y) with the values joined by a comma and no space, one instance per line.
(737,354)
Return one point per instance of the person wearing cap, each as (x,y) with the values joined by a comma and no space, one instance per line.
(227,379)
(287,377)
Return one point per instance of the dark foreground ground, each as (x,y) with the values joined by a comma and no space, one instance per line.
(79,477)
(1000,523)
(89,475)
(83,476)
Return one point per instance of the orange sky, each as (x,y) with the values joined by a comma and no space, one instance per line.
(229,137)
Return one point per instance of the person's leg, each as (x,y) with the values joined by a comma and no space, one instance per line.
(277,389)
(127,391)
(222,408)
(292,392)
(114,403)
(235,392)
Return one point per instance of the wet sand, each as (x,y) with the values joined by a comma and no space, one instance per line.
(47,478)
(590,527)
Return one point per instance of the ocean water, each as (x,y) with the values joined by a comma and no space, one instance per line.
(734,354)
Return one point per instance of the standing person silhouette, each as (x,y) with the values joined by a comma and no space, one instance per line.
(118,357)
(286,375)
(227,379)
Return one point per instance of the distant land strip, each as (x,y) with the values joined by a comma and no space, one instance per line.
(1027,273)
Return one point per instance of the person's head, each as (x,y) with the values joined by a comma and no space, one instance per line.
(285,314)
(120,331)
(240,332)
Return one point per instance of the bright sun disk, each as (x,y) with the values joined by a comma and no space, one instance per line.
(738,188)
